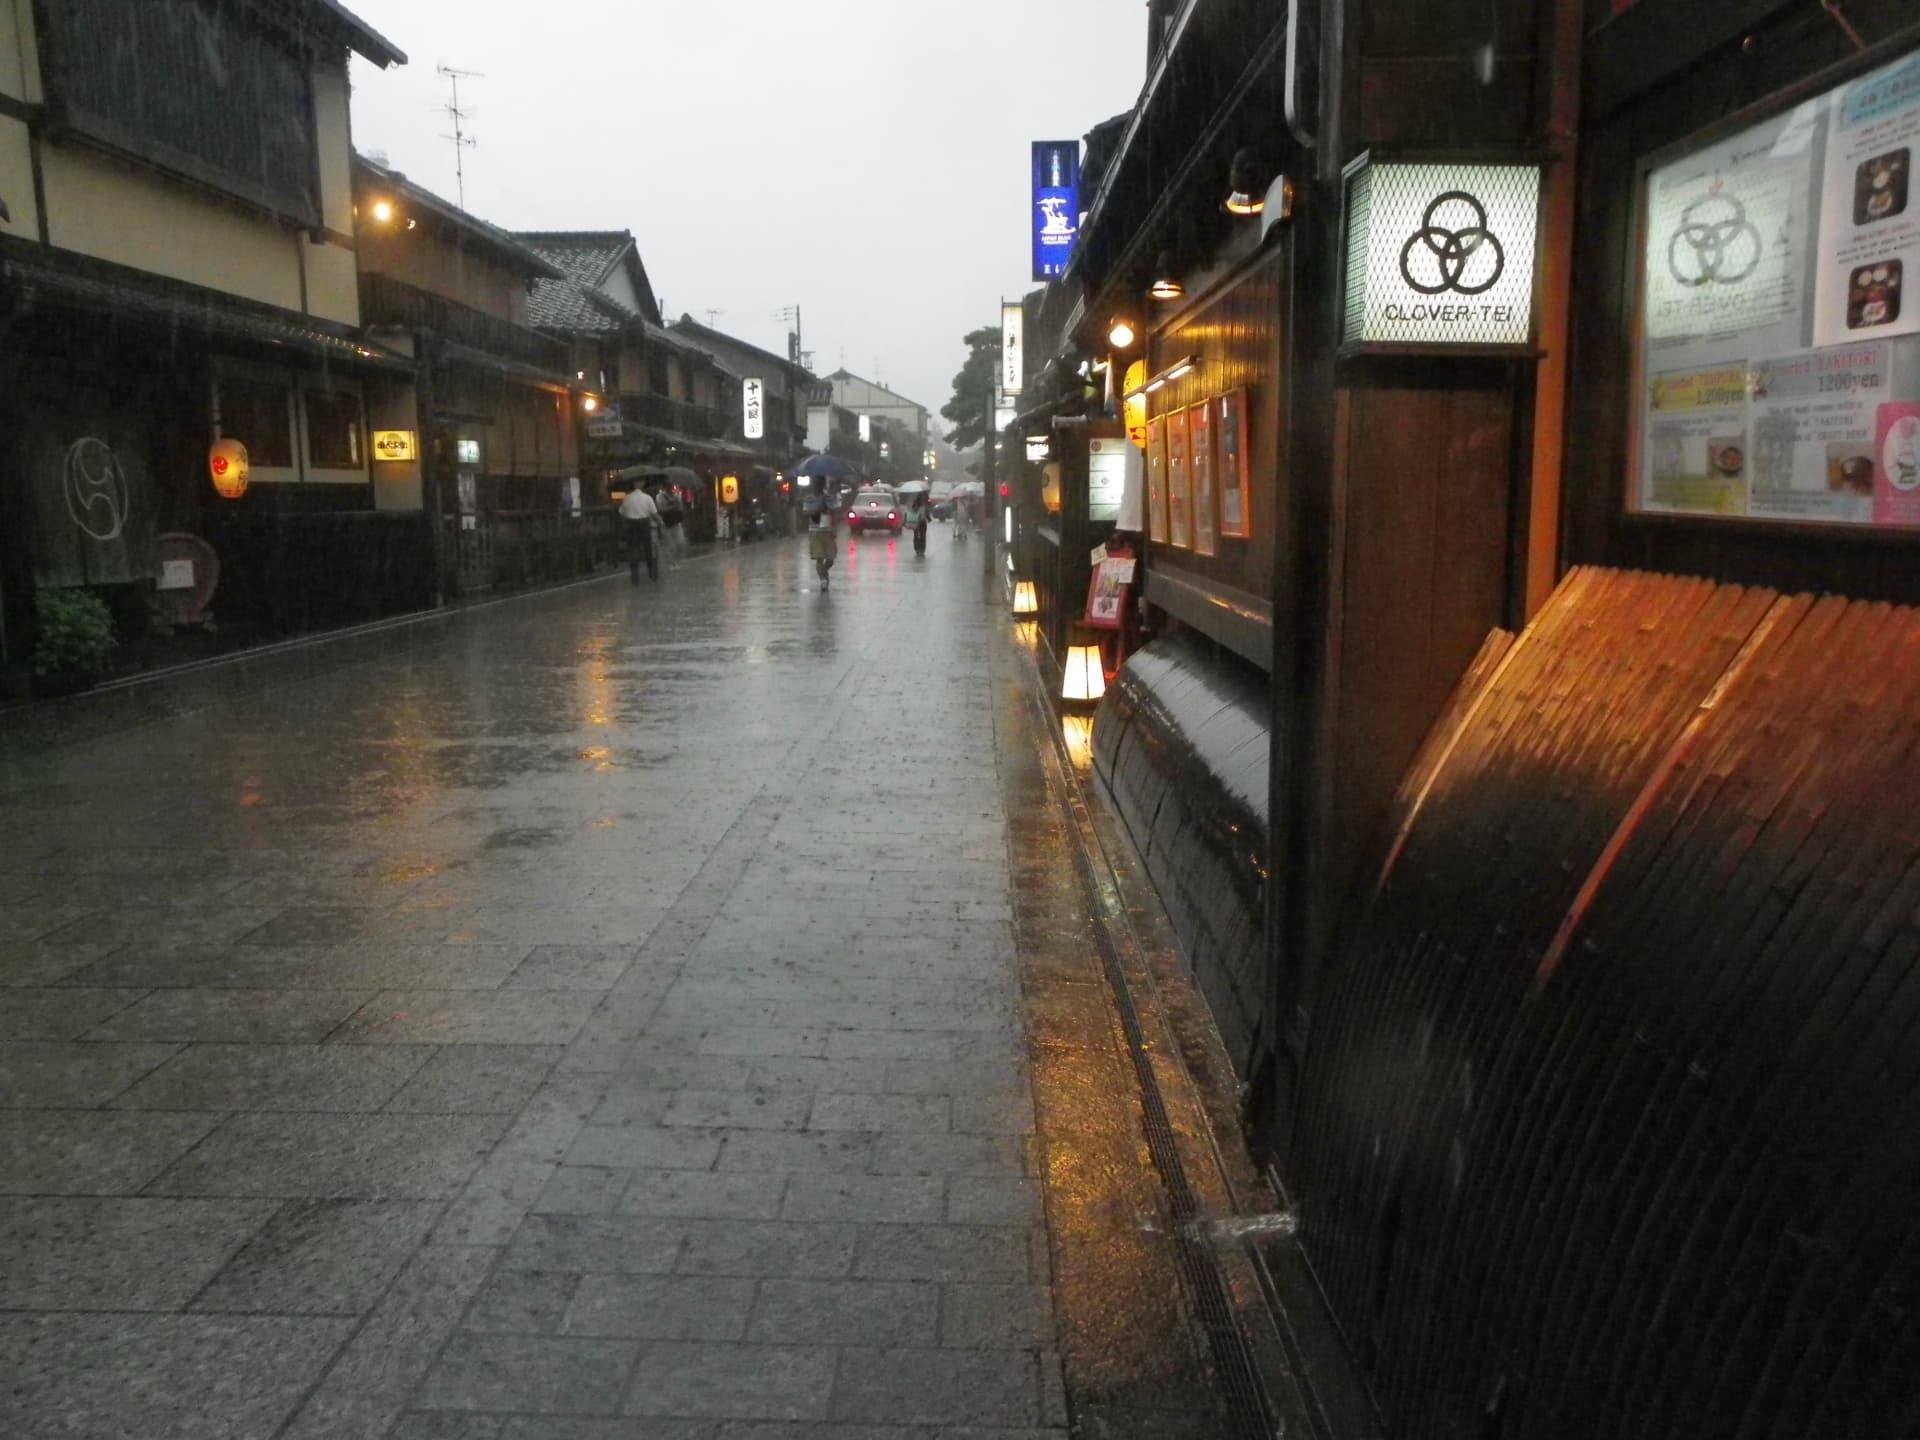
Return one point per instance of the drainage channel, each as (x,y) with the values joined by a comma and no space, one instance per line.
(1250,1411)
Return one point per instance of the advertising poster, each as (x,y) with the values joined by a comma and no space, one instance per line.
(1813,419)
(1179,483)
(1695,445)
(1231,428)
(1896,496)
(1157,480)
(1107,594)
(1056,206)
(1107,464)
(1869,211)
(1200,456)
(1727,234)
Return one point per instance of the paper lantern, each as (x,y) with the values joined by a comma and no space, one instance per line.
(227,463)
(1084,678)
(1050,488)
(1025,600)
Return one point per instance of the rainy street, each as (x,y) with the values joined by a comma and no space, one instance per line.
(601,1003)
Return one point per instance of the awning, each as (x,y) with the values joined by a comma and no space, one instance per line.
(130,295)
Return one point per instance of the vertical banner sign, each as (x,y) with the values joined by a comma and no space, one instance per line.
(753,393)
(1013,363)
(1056,205)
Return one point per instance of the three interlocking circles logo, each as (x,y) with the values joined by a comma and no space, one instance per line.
(1714,243)
(1453,250)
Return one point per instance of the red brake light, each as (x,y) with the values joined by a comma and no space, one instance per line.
(892,516)
(852,516)
(1006,490)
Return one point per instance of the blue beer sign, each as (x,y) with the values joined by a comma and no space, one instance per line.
(1056,205)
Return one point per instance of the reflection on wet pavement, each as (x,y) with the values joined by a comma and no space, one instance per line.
(600,1004)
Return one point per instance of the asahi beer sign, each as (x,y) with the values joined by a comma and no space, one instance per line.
(1441,254)
(1056,206)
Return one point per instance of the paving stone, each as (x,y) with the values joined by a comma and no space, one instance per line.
(633,1245)
(275,1077)
(706,1195)
(60,1014)
(301,1156)
(887,1198)
(47,1074)
(737,1109)
(653,1071)
(845,1312)
(322,1257)
(766,1247)
(448,1425)
(545,1374)
(774,1150)
(522,1302)
(938,1387)
(873,1113)
(92,1152)
(660,1307)
(508,1183)
(123,1253)
(569,1427)
(996,1317)
(993,1200)
(572,967)
(948,1155)
(158,1377)
(476,1080)
(988,1113)
(34,964)
(645,1146)
(943,1252)
(469,1017)
(290,1017)
(733,1381)
(585,1190)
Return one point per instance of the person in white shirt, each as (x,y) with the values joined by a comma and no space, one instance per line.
(639,518)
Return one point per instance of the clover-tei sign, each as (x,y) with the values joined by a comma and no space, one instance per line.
(1440,254)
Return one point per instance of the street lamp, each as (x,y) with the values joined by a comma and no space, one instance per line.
(1121,335)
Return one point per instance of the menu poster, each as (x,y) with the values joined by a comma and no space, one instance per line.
(1231,425)
(1870,210)
(1107,593)
(1726,237)
(1814,418)
(1694,449)
(1200,448)
(1179,483)
(1157,480)
(1896,495)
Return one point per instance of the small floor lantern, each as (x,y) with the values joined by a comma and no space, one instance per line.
(1084,677)
(1025,600)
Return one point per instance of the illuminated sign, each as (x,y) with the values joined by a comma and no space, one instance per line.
(729,489)
(753,393)
(1056,205)
(1013,363)
(227,463)
(468,451)
(1440,255)
(393,445)
(866,429)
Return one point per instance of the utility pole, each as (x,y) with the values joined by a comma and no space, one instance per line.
(990,493)
(462,142)
(790,316)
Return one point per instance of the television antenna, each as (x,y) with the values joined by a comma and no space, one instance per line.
(712,315)
(462,142)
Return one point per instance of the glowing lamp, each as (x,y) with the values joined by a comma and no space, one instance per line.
(1246,189)
(1121,335)
(1084,677)
(729,489)
(227,463)
(1166,285)
(383,211)
(1025,600)
(1050,489)
(589,403)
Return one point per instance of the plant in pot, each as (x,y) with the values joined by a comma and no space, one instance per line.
(73,640)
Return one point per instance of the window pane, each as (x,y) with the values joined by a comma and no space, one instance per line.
(257,414)
(333,431)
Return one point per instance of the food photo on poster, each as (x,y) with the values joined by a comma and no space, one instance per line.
(1775,340)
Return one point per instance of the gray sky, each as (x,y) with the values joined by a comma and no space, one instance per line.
(866,159)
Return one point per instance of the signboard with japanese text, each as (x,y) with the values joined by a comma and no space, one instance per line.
(1157,480)
(1778,354)
(1179,483)
(393,445)
(1230,423)
(1440,255)
(1108,461)
(1013,358)
(1055,215)
(1200,458)
(753,394)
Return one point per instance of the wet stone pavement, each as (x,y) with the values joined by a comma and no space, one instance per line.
(592,1016)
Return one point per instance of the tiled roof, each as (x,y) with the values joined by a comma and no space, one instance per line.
(586,255)
(568,304)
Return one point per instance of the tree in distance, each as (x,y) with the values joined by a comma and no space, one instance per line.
(968,408)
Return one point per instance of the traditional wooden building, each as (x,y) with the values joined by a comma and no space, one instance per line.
(177,266)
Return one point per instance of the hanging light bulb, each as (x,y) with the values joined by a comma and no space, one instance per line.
(1121,335)
(1246,193)
(1166,285)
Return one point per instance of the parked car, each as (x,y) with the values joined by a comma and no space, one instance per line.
(874,510)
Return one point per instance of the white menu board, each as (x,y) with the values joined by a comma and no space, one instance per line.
(1776,354)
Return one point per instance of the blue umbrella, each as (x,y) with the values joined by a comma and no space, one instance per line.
(828,465)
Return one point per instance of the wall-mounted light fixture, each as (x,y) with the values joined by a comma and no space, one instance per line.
(383,211)
(1166,285)
(1246,185)
(1182,367)
(1121,336)
(589,403)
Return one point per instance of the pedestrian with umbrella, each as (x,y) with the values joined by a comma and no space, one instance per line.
(915,492)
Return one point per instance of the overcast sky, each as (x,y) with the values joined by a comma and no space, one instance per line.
(865,159)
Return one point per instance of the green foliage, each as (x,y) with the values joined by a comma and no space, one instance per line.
(73,635)
(968,408)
